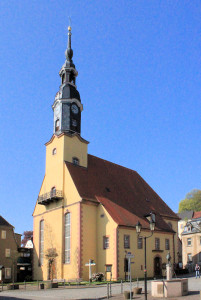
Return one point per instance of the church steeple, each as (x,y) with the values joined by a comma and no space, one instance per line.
(67,106)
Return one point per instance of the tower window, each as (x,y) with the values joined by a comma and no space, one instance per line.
(54,151)
(57,124)
(76,161)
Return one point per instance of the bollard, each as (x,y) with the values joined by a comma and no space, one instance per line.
(64,283)
(110,289)
(107,291)
(38,284)
(2,285)
(25,284)
(121,286)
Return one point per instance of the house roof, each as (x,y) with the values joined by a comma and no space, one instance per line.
(196,214)
(122,191)
(187,214)
(3,222)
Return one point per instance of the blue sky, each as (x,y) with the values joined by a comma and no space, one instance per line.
(139,79)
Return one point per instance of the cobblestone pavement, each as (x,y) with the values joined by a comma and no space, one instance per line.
(98,292)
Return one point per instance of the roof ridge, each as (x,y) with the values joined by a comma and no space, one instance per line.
(114,163)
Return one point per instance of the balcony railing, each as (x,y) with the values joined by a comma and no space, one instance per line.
(53,195)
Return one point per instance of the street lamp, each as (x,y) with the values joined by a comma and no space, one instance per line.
(152,221)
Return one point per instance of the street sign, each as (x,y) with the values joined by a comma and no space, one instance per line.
(129,255)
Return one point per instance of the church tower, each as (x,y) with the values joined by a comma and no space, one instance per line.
(67,105)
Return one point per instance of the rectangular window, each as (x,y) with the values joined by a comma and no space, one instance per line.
(189,257)
(140,243)
(126,241)
(7,273)
(41,242)
(157,243)
(3,234)
(108,268)
(167,244)
(67,238)
(7,252)
(105,242)
(188,241)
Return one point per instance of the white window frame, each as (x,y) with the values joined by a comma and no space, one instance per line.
(7,269)
(157,243)
(7,252)
(140,243)
(106,242)
(189,242)
(3,234)
(126,241)
(67,238)
(189,257)
(167,244)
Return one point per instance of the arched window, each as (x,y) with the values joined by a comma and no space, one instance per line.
(76,161)
(57,125)
(54,151)
(67,242)
(53,191)
(41,242)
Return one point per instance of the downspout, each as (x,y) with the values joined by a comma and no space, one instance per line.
(173,248)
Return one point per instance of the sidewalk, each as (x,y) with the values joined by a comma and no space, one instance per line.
(193,295)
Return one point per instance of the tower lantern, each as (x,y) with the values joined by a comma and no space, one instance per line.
(67,105)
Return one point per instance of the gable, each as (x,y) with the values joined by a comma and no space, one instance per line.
(122,191)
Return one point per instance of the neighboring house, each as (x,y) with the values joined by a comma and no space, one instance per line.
(191,242)
(184,216)
(87,207)
(29,244)
(24,264)
(9,243)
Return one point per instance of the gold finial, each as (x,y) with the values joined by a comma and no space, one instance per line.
(69,28)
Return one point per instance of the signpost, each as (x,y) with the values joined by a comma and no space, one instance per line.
(129,256)
(89,264)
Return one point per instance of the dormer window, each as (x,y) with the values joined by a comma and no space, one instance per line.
(57,124)
(76,161)
(54,151)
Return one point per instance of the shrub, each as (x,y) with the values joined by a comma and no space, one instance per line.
(97,276)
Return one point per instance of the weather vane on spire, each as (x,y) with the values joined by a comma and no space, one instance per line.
(69,27)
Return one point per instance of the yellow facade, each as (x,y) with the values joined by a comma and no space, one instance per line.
(90,222)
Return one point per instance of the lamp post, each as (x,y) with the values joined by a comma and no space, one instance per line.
(151,218)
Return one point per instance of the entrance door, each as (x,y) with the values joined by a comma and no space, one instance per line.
(157,267)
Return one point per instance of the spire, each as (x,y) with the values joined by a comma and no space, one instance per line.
(69,51)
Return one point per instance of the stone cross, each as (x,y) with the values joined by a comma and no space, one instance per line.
(89,264)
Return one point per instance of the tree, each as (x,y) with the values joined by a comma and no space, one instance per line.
(51,255)
(27,235)
(192,201)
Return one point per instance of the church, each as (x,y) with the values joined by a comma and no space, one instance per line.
(88,208)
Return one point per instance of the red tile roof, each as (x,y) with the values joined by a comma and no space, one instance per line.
(123,192)
(196,214)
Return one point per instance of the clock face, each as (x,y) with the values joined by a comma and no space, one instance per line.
(74,109)
(74,123)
